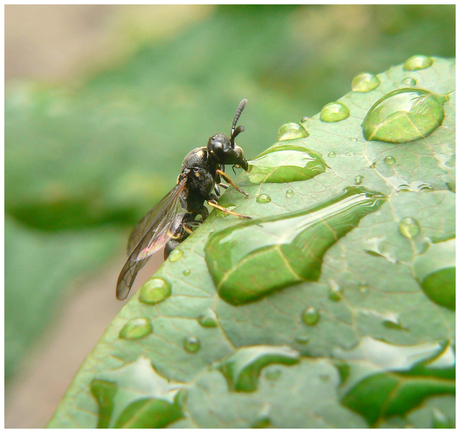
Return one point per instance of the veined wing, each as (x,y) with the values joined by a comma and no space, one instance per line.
(149,235)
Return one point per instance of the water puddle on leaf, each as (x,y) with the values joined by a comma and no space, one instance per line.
(251,260)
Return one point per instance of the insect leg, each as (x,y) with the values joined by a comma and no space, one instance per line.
(230,181)
(214,204)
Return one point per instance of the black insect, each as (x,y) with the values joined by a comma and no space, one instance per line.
(198,181)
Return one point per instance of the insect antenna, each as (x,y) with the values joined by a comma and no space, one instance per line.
(235,131)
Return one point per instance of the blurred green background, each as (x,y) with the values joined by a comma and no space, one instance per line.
(103,103)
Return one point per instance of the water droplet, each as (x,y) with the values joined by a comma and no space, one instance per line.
(389,160)
(364,82)
(334,112)
(363,288)
(291,131)
(409,227)
(208,319)
(243,368)
(415,63)
(273,374)
(332,154)
(154,291)
(289,193)
(192,344)
(404,115)
(304,119)
(249,260)
(409,81)
(311,316)
(175,255)
(263,198)
(302,339)
(186,272)
(136,328)
(359,179)
(285,163)
(335,291)
(435,272)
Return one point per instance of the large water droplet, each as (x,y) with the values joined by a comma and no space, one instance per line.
(291,131)
(208,319)
(175,255)
(242,369)
(404,115)
(409,227)
(136,328)
(435,271)
(154,291)
(364,82)
(415,63)
(263,198)
(192,344)
(285,163)
(334,112)
(310,316)
(252,259)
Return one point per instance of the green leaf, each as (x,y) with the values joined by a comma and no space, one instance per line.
(357,341)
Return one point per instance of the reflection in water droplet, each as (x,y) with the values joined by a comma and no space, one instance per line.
(334,112)
(242,369)
(409,227)
(364,82)
(254,258)
(310,316)
(415,63)
(359,179)
(154,291)
(389,160)
(289,193)
(192,344)
(208,319)
(435,272)
(136,328)
(263,198)
(291,131)
(408,81)
(186,272)
(285,163)
(175,255)
(404,115)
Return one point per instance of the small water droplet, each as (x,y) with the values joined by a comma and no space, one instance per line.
(175,255)
(186,272)
(289,193)
(208,319)
(374,163)
(389,160)
(409,81)
(154,291)
(364,82)
(302,339)
(304,119)
(363,288)
(136,328)
(310,316)
(335,292)
(331,154)
(415,63)
(291,131)
(409,227)
(404,115)
(359,179)
(334,112)
(263,198)
(192,344)
(273,374)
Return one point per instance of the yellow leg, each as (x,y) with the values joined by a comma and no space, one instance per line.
(223,209)
(230,181)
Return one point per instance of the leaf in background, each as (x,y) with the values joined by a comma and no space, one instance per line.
(366,291)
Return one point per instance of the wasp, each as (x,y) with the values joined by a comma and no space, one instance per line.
(199,180)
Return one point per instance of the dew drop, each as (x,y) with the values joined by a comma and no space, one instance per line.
(364,82)
(291,131)
(409,81)
(154,291)
(415,63)
(262,248)
(363,288)
(192,344)
(404,115)
(175,255)
(304,119)
(289,193)
(332,154)
(310,316)
(359,179)
(136,328)
(263,198)
(335,292)
(186,272)
(409,227)
(273,374)
(302,339)
(208,319)
(334,112)
(389,160)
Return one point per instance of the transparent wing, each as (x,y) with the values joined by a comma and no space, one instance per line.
(149,235)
